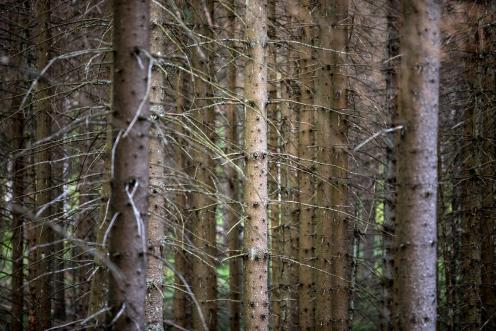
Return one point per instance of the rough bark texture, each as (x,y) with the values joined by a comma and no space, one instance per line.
(306,250)
(42,233)
(256,299)
(415,244)
(154,301)
(333,292)
(130,166)
(392,49)
(204,227)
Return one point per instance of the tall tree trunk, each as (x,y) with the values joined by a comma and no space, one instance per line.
(18,172)
(182,264)
(43,235)
(392,50)
(274,169)
(256,298)
(233,212)
(130,167)
(470,310)
(99,282)
(154,302)
(204,227)
(290,212)
(18,179)
(333,251)
(306,250)
(415,244)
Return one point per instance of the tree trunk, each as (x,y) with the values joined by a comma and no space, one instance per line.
(18,179)
(289,195)
(333,251)
(99,282)
(154,302)
(204,227)
(306,249)
(392,49)
(130,166)
(415,244)
(233,212)
(182,264)
(256,298)
(42,263)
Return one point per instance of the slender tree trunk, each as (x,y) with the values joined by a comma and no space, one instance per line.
(333,251)
(289,192)
(256,298)
(18,183)
(17,293)
(155,231)
(204,227)
(182,264)
(306,250)
(232,215)
(43,235)
(130,166)
(392,49)
(470,310)
(99,282)
(273,178)
(417,165)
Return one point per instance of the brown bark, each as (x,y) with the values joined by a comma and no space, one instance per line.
(415,245)
(273,178)
(333,256)
(99,282)
(154,301)
(43,235)
(289,194)
(233,192)
(130,166)
(204,226)
(182,264)
(470,311)
(392,49)
(256,299)
(306,250)
(18,184)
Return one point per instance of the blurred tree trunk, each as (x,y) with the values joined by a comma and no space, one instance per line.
(43,235)
(333,225)
(204,226)
(182,263)
(392,50)
(130,168)
(19,173)
(470,310)
(99,282)
(486,37)
(306,249)
(256,297)
(417,166)
(289,195)
(233,188)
